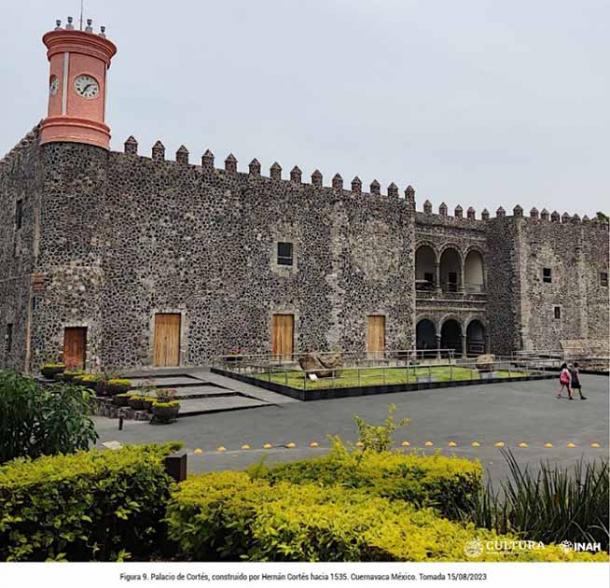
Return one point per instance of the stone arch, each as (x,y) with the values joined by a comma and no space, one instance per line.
(451,334)
(426,259)
(451,264)
(425,334)
(474,270)
(476,337)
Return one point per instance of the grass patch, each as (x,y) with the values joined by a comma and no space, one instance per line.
(352,377)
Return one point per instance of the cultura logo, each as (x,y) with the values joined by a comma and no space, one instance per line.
(473,548)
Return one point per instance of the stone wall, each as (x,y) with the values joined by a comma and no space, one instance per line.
(127,236)
(20,181)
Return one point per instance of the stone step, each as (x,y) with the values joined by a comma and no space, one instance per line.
(168,382)
(194,406)
(203,392)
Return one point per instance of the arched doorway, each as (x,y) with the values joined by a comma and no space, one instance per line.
(473,272)
(426,338)
(475,338)
(450,270)
(425,268)
(451,336)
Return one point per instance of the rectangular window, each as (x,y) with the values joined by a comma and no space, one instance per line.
(546,275)
(603,279)
(429,277)
(9,338)
(557,312)
(19,214)
(452,282)
(284,254)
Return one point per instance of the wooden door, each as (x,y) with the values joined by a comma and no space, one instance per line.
(283,336)
(167,339)
(376,336)
(75,347)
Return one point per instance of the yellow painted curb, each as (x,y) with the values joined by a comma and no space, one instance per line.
(290,445)
(406,444)
(476,444)
(267,446)
(221,448)
(548,445)
(523,445)
(245,446)
(452,444)
(428,444)
(595,445)
(197,451)
(570,445)
(314,444)
(500,444)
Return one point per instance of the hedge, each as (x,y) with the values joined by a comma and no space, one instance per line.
(96,505)
(228,516)
(442,482)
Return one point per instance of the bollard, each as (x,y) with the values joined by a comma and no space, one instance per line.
(175,466)
(121,423)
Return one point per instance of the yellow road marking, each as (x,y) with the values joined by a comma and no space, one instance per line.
(245,446)
(314,444)
(476,444)
(523,445)
(406,444)
(267,446)
(570,445)
(359,444)
(198,451)
(221,448)
(452,444)
(595,445)
(290,445)
(548,445)
(428,444)
(500,444)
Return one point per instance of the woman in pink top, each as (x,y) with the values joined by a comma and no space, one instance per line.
(565,380)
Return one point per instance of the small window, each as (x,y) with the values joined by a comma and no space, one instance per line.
(546,275)
(557,312)
(284,254)
(9,338)
(603,279)
(19,214)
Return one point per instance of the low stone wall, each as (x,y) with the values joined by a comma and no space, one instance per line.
(105,407)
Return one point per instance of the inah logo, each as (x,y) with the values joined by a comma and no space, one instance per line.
(473,548)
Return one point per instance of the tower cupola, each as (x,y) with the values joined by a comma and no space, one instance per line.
(79,61)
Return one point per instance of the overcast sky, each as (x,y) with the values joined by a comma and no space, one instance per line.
(474,102)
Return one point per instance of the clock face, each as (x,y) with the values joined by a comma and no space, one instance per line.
(86,86)
(53,85)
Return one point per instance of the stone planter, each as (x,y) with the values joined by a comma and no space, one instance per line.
(49,371)
(140,403)
(165,412)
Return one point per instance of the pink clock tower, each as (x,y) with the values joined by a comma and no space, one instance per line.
(78,62)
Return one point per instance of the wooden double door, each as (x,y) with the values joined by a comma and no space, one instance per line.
(282,341)
(376,336)
(75,348)
(167,339)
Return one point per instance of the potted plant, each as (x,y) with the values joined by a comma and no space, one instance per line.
(48,370)
(114,386)
(165,412)
(122,399)
(69,375)
(139,401)
(88,380)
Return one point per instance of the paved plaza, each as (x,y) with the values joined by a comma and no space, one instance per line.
(451,419)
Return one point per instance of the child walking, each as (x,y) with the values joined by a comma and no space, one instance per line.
(575,381)
(565,380)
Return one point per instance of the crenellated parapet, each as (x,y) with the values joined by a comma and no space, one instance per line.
(207,167)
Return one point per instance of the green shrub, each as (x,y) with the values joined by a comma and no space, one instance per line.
(551,505)
(36,421)
(48,370)
(227,516)
(442,482)
(88,380)
(378,437)
(95,505)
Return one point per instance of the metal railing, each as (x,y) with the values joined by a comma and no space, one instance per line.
(409,373)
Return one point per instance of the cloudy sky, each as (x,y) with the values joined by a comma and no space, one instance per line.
(476,102)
